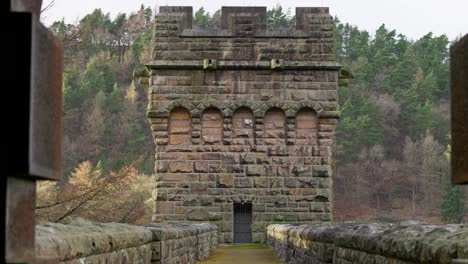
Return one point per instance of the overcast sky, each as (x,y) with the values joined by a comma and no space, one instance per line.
(414,18)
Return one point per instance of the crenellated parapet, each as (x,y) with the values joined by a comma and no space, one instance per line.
(243,36)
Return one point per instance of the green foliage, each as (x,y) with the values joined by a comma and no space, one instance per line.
(98,51)
(201,18)
(361,124)
(71,90)
(97,77)
(93,25)
(423,120)
(114,100)
(402,77)
(141,39)
(276,17)
(118,23)
(453,205)
(137,138)
(414,73)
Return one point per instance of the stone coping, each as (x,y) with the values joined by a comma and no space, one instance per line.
(82,238)
(411,241)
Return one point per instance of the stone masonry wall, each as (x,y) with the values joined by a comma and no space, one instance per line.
(243,114)
(85,242)
(407,242)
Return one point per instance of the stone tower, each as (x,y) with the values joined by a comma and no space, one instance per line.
(243,118)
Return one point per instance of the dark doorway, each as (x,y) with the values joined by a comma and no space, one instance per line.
(242,223)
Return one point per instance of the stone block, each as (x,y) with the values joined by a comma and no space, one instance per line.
(258,238)
(180,166)
(226,181)
(198,214)
(227,238)
(199,188)
(215,216)
(255,170)
(243,182)
(283,171)
(207,177)
(165,208)
(261,182)
(322,171)
(276,183)
(247,158)
(206,200)
(161,166)
(226,227)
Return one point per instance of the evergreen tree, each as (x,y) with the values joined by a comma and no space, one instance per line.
(422,120)
(201,17)
(276,17)
(136,139)
(453,205)
(402,77)
(97,77)
(72,97)
(453,200)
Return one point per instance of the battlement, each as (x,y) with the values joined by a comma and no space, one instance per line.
(243,35)
(245,21)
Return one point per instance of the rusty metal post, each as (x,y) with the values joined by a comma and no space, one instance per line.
(32,114)
(459,89)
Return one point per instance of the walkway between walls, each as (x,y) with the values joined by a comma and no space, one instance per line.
(242,254)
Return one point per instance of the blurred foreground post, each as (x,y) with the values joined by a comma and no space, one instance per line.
(459,90)
(32,113)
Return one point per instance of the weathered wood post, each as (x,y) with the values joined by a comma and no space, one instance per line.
(459,83)
(31,114)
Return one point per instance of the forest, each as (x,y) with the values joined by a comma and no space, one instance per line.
(392,154)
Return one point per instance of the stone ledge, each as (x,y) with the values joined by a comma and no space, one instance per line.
(81,238)
(86,242)
(243,65)
(406,242)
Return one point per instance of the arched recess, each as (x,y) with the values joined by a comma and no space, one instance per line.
(274,127)
(306,127)
(243,127)
(212,126)
(180,127)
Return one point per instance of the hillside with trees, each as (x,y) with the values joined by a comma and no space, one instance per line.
(392,152)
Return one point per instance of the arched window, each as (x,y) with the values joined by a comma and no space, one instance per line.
(274,126)
(306,127)
(243,127)
(212,127)
(180,128)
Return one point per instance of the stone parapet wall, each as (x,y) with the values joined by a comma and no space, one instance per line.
(86,242)
(182,243)
(407,242)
